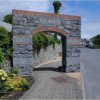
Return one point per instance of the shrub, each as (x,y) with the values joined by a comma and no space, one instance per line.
(2,58)
(15,83)
(5,45)
(6,87)
(24,84)
(96,41)
(8,18)
(14,71)
(3,76)
(18,83)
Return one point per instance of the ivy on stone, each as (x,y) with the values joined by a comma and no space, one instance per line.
(42,40)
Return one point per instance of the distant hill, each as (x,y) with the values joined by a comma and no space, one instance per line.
(6,25)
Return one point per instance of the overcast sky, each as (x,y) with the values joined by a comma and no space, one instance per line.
(89,10)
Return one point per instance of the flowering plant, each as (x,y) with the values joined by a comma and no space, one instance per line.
(3,76)
(12,82)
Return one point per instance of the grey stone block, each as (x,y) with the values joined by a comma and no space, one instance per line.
(23,39)
(73,59)
(23,47)
(73,52)
(68,31)
(21,31)
(73,41)
(25,70)
(68,27)
(31,20)
(76,22)
(19,20)
(23,61)
(22,55)
(76,27)
(64,22)
(73,67)
(23,52)
(74,34)
(60,27)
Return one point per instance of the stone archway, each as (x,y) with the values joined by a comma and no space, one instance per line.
(25,23)
(63,35)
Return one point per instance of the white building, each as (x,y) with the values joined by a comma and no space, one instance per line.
(6,25)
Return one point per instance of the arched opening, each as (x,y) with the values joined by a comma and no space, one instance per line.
(61,34)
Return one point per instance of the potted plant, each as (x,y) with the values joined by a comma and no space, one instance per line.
(57,4)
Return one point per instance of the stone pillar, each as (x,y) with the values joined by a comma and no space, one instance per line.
(22,45)
(22,54)
(73,54)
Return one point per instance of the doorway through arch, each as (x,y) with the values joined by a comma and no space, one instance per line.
(52,31)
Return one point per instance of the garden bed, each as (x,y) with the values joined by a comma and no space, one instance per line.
(14,94)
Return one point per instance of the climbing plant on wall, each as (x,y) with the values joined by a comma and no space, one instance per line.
(41,41)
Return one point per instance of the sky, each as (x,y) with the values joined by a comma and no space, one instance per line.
(89,10)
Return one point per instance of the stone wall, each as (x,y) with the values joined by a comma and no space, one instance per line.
(47,55)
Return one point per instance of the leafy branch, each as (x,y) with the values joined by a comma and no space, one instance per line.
(41,41)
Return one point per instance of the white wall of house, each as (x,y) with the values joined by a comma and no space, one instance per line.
(6,25)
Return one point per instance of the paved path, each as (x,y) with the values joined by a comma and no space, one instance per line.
(91,73)
(51,84)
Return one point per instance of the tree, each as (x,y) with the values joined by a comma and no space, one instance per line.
(57,4)
(8,18)
(96,41)
(5,45)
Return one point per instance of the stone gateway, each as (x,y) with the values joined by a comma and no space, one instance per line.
(26,23)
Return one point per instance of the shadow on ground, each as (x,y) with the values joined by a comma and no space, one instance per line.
(46,68)
(58,69)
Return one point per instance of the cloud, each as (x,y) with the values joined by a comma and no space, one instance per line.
(90,22)
(6,6)
(90,18)
(90,29)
